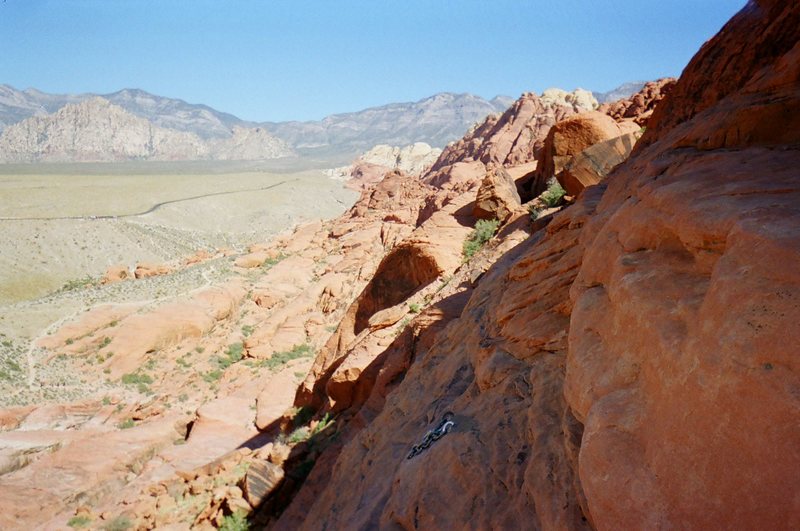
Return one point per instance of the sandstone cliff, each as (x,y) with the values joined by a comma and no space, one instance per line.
(631,366)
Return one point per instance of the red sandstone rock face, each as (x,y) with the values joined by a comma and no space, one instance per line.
(629,363)
(513,138)
(396,198)
(641,105)
(662,391)
(683,343)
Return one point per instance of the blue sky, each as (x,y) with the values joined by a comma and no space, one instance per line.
(283,59)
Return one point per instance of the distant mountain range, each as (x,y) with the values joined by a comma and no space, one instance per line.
(135,125)
(436,120)
(96,130)
(622,91)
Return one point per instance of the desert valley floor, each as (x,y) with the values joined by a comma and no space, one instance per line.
(63,225)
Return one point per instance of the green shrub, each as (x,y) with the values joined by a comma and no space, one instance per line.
(322,425)
(120,523)
(553,195)
(212,376)
(484,230)
(126,424)
(78,284)
(270,262)
(414,307)
(234,353)
(136,378)
(79,522)
(235,522)
(247,330)
(280,359)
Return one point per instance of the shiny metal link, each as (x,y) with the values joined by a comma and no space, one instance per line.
(433,435)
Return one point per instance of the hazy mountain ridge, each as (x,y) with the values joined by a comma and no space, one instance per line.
(97,130)
(435,120)
(623,91)
(171,113)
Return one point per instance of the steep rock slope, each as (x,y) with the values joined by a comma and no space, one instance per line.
(635,364)
(515,137)
(699,408)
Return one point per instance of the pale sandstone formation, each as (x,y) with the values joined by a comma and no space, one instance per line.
(579,99)
(371,166)
(412,159)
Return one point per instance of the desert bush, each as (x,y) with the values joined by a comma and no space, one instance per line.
(120,523)
(484,230)
(136,378)
(553,195)
(212,376)
(280,359)
(270,262)
(234,353)
(79,522)
(78,283)
(235,522)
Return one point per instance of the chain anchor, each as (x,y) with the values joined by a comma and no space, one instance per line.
(433,435)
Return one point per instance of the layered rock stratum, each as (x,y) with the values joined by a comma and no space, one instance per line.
(625,360)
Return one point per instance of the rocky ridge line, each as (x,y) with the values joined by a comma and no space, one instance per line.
(96,130)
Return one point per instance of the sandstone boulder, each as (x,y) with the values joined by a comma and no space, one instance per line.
(116,273)
(592,164)
(497,197)
(254,259)
(569,137)
(147,269)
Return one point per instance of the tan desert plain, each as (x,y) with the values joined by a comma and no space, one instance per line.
(63,225)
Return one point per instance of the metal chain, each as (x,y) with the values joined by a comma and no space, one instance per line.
(433,435)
